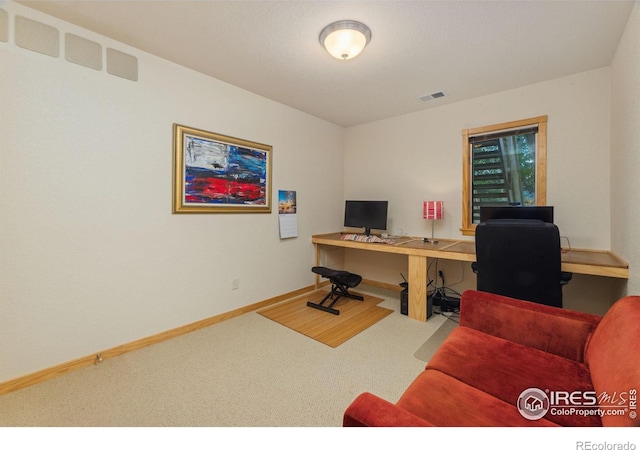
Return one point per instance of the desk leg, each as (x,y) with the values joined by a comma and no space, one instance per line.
(317,277)
(418,287)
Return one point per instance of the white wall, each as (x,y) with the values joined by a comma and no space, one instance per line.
(418,157)
(625,149)
(92,256)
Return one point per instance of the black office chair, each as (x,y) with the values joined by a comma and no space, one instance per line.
(520,258)
(341,281)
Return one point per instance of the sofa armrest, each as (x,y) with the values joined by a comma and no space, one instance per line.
(369,410)
(554,330)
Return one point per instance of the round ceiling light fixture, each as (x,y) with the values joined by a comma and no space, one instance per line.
(345,39)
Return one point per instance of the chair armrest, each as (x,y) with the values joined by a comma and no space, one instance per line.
(554,330)
(369,410)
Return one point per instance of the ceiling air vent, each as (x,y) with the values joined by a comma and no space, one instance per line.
(434,95)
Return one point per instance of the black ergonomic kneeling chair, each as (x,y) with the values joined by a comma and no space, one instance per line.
(341,281)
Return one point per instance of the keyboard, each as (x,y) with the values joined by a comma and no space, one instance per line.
(365,238)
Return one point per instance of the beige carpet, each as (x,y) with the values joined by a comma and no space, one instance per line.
(330,329)
(426,351)
(248,371)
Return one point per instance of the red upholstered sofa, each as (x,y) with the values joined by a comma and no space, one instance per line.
(516,363)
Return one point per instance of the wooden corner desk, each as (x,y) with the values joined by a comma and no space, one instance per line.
(590,262)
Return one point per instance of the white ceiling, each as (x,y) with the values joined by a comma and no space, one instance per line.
(464,48)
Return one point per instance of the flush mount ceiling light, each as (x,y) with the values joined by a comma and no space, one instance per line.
(345,39)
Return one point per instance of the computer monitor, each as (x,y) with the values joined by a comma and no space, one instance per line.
(544,213)
(366,214)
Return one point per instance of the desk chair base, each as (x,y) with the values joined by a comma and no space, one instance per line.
(341,281)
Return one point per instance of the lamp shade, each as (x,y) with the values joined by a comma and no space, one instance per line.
(433,210)
(345,39)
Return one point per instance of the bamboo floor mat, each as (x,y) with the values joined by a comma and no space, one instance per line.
(330,329)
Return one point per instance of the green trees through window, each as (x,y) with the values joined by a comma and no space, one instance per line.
(504,164)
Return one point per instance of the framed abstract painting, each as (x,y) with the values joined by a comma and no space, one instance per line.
(213,173)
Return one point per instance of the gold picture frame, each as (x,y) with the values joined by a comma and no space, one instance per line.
(214,173)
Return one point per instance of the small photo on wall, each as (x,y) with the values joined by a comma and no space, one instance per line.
(286,202)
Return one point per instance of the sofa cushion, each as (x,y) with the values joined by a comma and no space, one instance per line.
(370,410)
(504,369)
(613,356)
(531,324)
(444,401)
